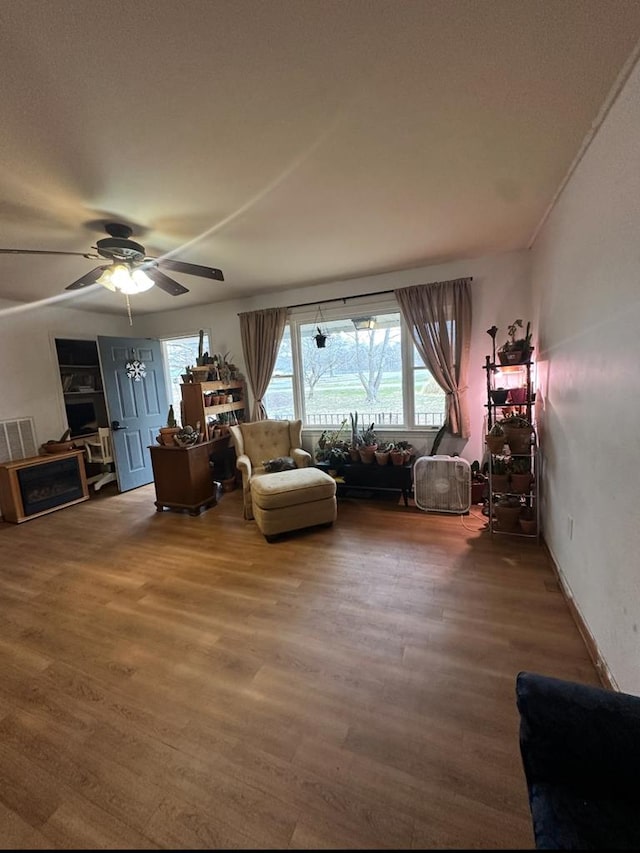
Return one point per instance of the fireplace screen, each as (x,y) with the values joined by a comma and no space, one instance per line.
(45,486)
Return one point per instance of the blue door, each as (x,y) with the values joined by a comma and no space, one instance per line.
(137,404)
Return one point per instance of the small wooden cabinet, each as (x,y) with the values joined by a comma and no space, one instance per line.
(183,477)
(197,405)
(39,485)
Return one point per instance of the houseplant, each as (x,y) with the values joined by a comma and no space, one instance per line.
(382,453)
(499,474)
(517,430)
(320,338)
(507,511)
(368,445)
(521,475)
(527,521)
(167,432)
(495,439)
(356,438)
(401,452)
(331,446)
(516,350)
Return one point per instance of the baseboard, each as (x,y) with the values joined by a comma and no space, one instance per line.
(604,673)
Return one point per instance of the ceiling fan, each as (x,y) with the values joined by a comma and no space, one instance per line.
(132,270)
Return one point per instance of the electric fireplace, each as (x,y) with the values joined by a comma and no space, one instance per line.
(42,484)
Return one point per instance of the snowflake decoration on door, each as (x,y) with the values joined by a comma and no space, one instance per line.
(136,370)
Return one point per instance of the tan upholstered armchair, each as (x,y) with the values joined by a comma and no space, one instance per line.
(260,441)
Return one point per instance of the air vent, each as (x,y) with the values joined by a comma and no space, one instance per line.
(17,440)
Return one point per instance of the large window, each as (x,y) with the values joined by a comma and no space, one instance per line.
(178,354)
(278,400)
(368,365)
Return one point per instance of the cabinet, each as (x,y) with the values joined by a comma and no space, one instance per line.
(81,381)
(212,403)
(182,476)
(514,473)
(39,485)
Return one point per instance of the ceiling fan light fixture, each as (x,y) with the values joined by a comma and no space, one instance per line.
(119,278)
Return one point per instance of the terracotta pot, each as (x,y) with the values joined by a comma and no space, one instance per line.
(166,435)
(399,457)
(354,454)
(519,440)
(495,443)
(528,525)
(367,453)
(520,483)
(507,517)
(382,458)
(500,483)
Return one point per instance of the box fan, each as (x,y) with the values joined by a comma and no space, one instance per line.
(442,484)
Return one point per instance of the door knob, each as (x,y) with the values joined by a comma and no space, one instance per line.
(116,425)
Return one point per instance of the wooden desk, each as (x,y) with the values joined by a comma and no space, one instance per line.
(182,476)
(373,477)
(39,485)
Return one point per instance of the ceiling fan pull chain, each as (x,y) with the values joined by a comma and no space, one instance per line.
(126,296)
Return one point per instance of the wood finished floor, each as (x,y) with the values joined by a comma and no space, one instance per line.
(177,682)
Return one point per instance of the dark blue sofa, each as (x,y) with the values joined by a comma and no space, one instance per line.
(580,748)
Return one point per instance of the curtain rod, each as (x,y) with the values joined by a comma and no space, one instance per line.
(359,295)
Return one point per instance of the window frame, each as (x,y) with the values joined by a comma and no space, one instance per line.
(350,310)
(165,361)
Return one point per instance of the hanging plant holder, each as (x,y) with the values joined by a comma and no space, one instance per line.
(320,337)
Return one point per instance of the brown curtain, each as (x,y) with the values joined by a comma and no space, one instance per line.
(439,318)
(261,333)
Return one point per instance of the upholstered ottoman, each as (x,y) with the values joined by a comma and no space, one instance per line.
(291,500)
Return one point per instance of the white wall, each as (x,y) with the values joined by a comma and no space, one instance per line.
(500,295)
(29,376)
(586,287)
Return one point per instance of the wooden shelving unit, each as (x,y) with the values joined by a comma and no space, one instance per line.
(194,401)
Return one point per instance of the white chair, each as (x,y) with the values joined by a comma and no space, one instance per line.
(100,451)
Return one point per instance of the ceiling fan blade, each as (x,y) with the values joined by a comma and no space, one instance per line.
(42,252)
(164,282)
(87,279)
(190,269)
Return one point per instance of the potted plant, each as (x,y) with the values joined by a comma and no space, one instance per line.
(401,453)
(320,338)
(517,430)
(527,521)
(499,474)
(521,475)
(507,511)
(167,432)
(516,350)
(368,445)
(382,453)
(495,439)
(356,438)
(329,441)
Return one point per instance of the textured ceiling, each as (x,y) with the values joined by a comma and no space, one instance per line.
(290,142)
